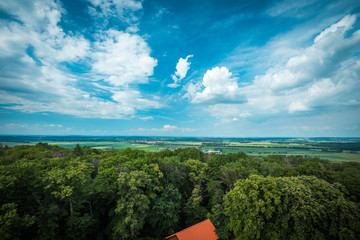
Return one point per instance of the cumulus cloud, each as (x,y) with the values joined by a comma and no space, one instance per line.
(321,60)
(341,89)
(40,31)
(34,53)
(219,86)
(182,68)
(321,78)
(298,106)
(122,58)
(37,15)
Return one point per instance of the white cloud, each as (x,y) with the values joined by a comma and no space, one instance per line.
(165,128)
(173,85)
(228,111)
(133,99)
(330,71)
(147,118)
(15,125)
(39,29)
(52,91)
(191,90)
(122,9)
(122,58)
(343,25)
(54,125)
(34,78)
(318,79)
(341,89)
(37,15)
(109,5)
(161,12)
(289,8)
(219,87)
(298,106)
(169,127)
(116,7)
(321,60)
(182,68)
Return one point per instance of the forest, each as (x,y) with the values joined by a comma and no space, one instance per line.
(52,192)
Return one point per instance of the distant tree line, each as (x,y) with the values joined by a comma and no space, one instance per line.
(339,146)
(50,192)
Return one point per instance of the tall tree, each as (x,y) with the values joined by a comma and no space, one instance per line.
(70,181)
(165,212)
(133,205)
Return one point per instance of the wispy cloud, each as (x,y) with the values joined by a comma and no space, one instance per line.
(54,125)
(165,129)
(32,126)
(123,9)
(15,125)
(289,8)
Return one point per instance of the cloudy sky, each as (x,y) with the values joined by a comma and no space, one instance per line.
(220,68)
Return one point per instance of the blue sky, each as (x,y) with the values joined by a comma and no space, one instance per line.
(180,68)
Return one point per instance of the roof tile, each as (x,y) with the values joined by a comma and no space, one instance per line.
(204,230)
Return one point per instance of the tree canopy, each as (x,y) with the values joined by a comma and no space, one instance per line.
(49,192)
(302,207)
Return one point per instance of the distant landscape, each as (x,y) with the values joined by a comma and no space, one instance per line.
(147,188)
(333,149)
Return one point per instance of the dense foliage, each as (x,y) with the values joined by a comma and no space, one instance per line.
(49,192)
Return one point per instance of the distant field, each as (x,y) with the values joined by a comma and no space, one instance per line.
(252,147)
(339,157)
(261,152)
(107,145)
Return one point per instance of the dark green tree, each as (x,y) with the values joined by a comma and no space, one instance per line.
(78,150)
(251,206)
(133,204)
(302,207)
(165,212)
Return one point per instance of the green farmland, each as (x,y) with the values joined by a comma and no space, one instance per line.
(336,150)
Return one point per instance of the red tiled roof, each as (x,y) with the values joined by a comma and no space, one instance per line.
(204,230)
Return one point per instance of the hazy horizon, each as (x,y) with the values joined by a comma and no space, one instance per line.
(164,136)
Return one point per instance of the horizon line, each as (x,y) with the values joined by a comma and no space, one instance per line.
(164,136)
